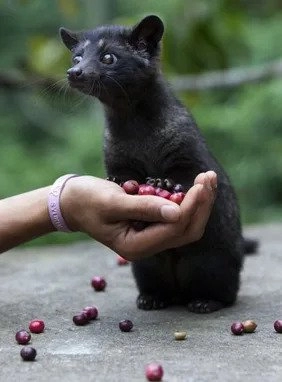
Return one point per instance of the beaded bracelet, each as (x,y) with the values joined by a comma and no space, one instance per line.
(54,203)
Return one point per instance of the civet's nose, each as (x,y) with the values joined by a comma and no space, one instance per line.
(74,73)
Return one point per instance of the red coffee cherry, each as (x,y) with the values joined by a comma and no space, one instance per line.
(154,372)
(36,326)
(98,283)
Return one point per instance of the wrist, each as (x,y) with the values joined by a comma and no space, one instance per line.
(54,203)
(70,205)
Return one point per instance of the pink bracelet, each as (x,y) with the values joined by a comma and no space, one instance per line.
(54,203)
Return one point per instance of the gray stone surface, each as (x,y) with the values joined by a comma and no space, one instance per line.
(53,284)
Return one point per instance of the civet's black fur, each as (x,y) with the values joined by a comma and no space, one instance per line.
(149,133)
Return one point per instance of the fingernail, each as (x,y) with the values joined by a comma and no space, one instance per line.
(170,213)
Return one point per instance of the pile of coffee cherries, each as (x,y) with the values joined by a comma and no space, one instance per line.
(163,188)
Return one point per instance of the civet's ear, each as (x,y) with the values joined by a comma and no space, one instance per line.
(150,30)
(70,39)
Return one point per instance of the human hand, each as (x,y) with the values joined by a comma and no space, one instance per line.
(104,211)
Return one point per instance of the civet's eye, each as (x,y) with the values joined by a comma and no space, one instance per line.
(108,59)
(76,59)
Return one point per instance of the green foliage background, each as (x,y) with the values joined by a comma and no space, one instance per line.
(46,131)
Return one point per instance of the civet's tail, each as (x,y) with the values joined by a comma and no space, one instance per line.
(250,246)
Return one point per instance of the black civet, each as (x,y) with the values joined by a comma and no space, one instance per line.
(149,133)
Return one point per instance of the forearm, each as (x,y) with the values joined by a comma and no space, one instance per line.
(24,217)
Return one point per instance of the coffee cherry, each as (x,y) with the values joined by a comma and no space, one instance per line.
(237,328)
(249,326)
(178,188)
(154,372)
(145,189)
(91,312)
(158,190)
(28,353)
(168,184)
(180,335)
(131,187)
(36,326)
(125,325)
(22,337)
(151,181)
(121,260)
(159,183)
(113,179)
(80,319)
(98,283)
(177,197)
(163,193)
(278,326)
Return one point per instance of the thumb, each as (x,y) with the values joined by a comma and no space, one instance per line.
(147,208)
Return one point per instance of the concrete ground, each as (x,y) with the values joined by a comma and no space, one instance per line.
(53,284)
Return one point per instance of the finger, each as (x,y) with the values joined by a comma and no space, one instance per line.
(208,178)
(201,215)
(161,236)
(200,178)
(209,181)
(153,239)
(146,208)
(190,202)
(157,237)
(213,178)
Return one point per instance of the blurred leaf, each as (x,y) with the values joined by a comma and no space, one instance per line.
(69,8)
(45,55)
